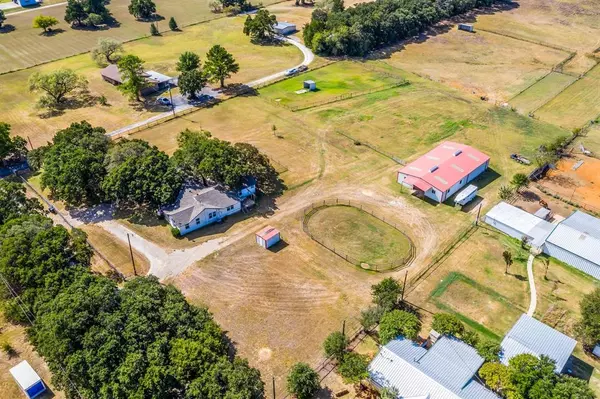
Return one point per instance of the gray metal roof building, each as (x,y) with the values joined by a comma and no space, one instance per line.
(529,335)
(193,200)
(576,241)
(518,223)
(446,371)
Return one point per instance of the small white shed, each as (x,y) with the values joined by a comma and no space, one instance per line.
(29,381)
(268,237)
(466,27)
(310,85)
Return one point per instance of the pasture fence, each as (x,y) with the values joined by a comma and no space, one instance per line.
(378,150)
(397,264)
(574,200)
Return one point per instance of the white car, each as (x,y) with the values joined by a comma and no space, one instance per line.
(291,72)
(163,101)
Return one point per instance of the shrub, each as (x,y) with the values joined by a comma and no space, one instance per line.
(370,317)
(335,345)
(173,24)
(8,349)
(303,381)
(489,350)
(154,30)
(396,323)
(386,294)
(354,368)
(447,324)
(175,232)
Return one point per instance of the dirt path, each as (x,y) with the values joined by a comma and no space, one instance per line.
(532,290)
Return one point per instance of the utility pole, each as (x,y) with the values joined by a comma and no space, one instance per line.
(171,99)
(131,253)
(403,287)
(273,387)
(478,212)
(344,327)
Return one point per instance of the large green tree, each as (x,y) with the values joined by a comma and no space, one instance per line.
(74,164)
(588,328)
(303,381)
(15,203)
(188,61)
(261,27)
(2,18)
(131,68)
(107,51)
(38,260)
(44,22)
(398,323)
(353,368)
(192,82)
(386,293)
(10,147)
(56,85)
(75,12)
(531,376)
(335,345)
(447,324)
(142,9)
(220,64)
(139,174)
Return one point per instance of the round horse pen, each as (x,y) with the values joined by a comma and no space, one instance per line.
(358,235)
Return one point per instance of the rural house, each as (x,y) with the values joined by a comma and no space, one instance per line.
(518,223)
(156,81)
(443,171)
(198,207)
(446,371)
(284,28)
(576,241)
(529,335)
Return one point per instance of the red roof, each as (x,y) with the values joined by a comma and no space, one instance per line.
(418,183)
(445,165)
(267,233)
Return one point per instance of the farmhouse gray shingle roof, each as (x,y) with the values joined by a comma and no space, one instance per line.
(446,371)
(193,200)
(529,335)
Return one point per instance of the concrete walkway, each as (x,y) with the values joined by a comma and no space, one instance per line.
(532,290)
(308,59)
(35,9)
(8,6)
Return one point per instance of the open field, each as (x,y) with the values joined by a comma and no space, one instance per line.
(575,106)
(16,337)
(354,232)
(541,92)
(160,54)
(339,79)
(481,63)
(568,24)
(25,47)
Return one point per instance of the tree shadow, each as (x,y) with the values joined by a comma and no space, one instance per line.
(82,100)
(88,28)
(239,89)
(152,18)
(7,28)
(324,393)
(529,196)
(52,32)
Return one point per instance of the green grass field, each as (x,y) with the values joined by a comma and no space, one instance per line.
(354,232)
(160,54)
(341,78)
(576,105)
(25,47)
(541,92)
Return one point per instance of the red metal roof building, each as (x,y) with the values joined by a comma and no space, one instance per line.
(444,170)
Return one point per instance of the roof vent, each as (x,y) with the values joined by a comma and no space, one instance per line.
(457,153)
(433,169)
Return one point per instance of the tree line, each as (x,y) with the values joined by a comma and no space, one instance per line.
(356,31)
(101,340)
(82,167)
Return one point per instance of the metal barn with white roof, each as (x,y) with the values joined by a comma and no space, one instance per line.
(518,223)
(531,336)
(576,241)
(29,381)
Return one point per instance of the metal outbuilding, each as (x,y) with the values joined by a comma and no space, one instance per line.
(268,237)
(576,241)
(531,336)
(310,85)
(518,223)
(29,381)
(284,28)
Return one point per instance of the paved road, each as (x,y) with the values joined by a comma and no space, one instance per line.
(179,107)
(34,9)
(532,290)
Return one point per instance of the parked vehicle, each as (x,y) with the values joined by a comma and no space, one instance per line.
(291,72)
(163,101)
(302,68)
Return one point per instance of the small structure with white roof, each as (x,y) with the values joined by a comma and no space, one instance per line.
(284,28)
(310,85)
(466,195)
(518,223)
(531,336)
(268,237)
(29,381)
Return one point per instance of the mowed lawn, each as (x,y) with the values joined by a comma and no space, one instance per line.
(359,235)
(541,92)
(577,105)
(333,81)
(481,63)
(160,53)
(24,46)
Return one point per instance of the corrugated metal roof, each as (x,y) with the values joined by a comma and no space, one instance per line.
(446,164)
(521,221)
(445,371)
(268,232)
(529,335)
(580,235)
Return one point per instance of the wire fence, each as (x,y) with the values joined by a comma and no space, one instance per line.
(397,264)
(574,199)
